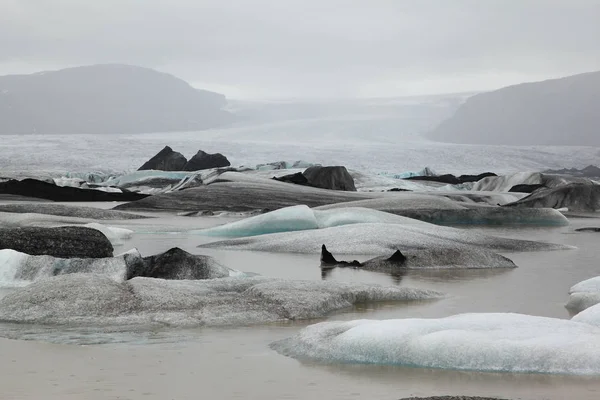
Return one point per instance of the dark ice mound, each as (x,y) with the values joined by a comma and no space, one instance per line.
(165,160)
(574,196)
(452,179)
(63,242)
(203,160)
(332,178)
(242,196)
(49,191)
(178,264)
(20,269)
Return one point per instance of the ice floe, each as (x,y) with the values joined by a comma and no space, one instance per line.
(584,294)
(298,218)
(378,238)
(99,300)
(590,315)
(477,342)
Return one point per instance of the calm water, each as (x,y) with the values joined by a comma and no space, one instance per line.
(237,363)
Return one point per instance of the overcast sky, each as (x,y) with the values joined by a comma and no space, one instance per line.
(310,48)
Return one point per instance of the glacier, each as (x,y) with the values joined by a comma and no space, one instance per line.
(495,342)
(100,301)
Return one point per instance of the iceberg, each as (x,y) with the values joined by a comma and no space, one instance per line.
(584,294)
(98,300)
(298,218)
(504,183)
(380,238)
(442,210)
(61,210)
(475,342)
(590,316)
(115,235)
(293,218)
(20,269)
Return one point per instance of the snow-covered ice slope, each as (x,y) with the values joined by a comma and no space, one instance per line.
(477,342)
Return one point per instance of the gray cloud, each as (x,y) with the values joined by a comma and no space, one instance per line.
(323,48)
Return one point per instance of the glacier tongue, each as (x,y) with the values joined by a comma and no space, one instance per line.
(478,342)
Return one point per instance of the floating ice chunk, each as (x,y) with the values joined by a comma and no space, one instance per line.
(34,209)
(10,262)
(95,299)
(71,182)
(580,301)
(442,210)
(477,342)
(590,316)
(505,182)
(299,218)
(584,295)
(379,239)
(138,177)
(588,285)
(115,235)
(360,215)
(293,218)
(19,269)
(395,202)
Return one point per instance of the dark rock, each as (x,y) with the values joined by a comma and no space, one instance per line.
(382,264)
(574,196)
(49,191)
(328,260)
(525,188)
(451,179)
(62,242)
(166,160)
(475,178)
(298,178)
(447,178)
(203,160)
(590,229)
(399,190)
(177,264)
(333,178)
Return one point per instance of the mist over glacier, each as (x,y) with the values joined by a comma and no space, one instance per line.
(372,135)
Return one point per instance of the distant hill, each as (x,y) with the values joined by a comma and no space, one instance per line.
(102,99)
(563,111)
